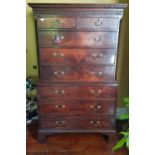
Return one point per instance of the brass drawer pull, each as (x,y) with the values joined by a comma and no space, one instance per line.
(98,39)
(60,122)
(59,73)
(59,92)
(96,107)
(57,39)
(98,22)
(60,106)
(97,73)
(58,55)
(96,93)
(95,55)
(95,122)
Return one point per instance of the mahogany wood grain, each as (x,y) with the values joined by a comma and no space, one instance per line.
(77,49)
(77,56)
(79,72)
(60,106)
(82,39)
(93,6)
(86,92)
(78,122)
(56,22)
(98,23)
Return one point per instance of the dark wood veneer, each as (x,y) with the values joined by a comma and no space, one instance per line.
(87,92)
(77,122)
(106,39)
(76,56)
(56,23)
(50,6)
(79,72)
(79,23)
(49,106)
(97,23)
(77,50)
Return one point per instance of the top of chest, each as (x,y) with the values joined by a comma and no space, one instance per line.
(77,10)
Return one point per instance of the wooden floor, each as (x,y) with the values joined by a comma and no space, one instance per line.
(70,144)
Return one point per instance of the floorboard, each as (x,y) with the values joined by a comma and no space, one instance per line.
(70,144)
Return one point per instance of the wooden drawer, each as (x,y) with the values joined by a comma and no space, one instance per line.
(56,23)
(76,56)
(69,91)
(58,106)
(77,73)
(78,122)
(102,23)
(77,39)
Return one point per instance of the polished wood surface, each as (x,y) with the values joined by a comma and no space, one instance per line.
(90,122)
(106,39)
(82,73)
(76,56)
(98,23)
(56,23)
(70,144)
(78,107)
(86,92)
(48,6)
(77,51)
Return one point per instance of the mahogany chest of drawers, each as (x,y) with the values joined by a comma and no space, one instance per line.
(77,54)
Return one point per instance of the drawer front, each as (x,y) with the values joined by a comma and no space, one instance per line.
(77,122)
(76,56)
(87,92)
(77,73)
(58,106)
(74,39)
(102,23)
(56,23)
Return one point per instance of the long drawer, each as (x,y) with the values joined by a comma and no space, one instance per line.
(76,56)
(73,39)
(69,91)
(78,122)
(60,106)
(77,73)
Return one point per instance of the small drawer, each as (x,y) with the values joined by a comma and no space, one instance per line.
(86,92)
(98,23)
(80,107)
(78,122)
(106,39)
(60,91)
(83,73)
(76,56)
(56,23)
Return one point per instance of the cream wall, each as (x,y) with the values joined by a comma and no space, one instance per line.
(31,59)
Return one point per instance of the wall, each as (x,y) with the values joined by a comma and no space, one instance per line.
(123,65)
(31,59)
